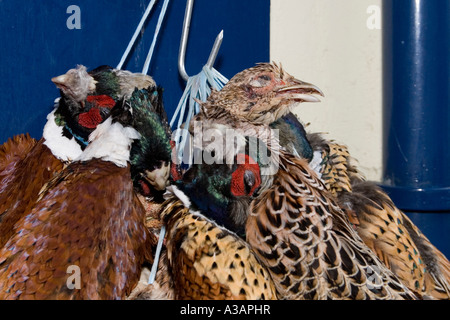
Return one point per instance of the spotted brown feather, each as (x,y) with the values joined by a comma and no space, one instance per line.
(381,225)
(208,262)
(310,249)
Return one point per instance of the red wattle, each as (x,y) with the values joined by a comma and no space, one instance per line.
(90,119)
(245,162)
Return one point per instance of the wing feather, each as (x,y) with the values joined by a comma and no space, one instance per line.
(308,245)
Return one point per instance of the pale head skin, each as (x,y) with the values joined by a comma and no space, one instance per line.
(76,83)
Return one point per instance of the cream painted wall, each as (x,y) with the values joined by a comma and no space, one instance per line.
(328,43)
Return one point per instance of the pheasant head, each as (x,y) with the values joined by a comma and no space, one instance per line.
(151,154)
(75,83)
(226,176)
(260,95)
(88,97)
(222,192)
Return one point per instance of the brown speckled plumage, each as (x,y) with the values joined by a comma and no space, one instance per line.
(90,217)
(308,245)
(207,262)
(381,225)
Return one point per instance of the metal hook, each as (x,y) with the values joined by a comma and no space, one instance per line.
(215,50)
(184,38)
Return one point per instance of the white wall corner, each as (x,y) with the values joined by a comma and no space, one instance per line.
(336,45)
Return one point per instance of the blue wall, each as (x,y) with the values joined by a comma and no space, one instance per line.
(37,45)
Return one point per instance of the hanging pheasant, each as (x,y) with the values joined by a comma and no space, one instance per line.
(20,188)
(380,224)
(290,227)
(310,248)
(204,259)
(86,100)
(209,262)
(295,226)
(88,216)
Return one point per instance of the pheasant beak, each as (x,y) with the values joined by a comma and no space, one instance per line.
(92,84)
(76,82)
(61,81)
(159,177)
(301,91)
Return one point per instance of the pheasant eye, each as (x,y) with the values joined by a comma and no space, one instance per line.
(249,181)
(246,178)
(261,81)
(157,165)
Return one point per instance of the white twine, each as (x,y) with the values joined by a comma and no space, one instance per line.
(198,87)
(136,33)
(158,27)
(152,276)
(138,30)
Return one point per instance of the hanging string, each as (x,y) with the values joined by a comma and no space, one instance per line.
(152,276)
(145,71)
(198,87)
(158,27)
(200,91)
(136,33)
